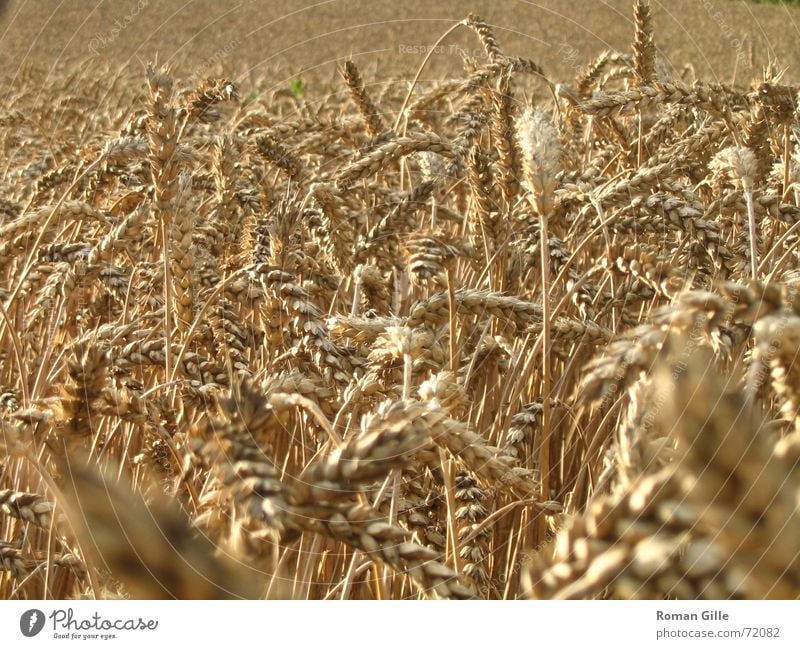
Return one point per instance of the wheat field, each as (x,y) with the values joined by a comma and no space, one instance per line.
(494,336)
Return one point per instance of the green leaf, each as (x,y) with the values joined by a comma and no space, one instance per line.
(298,87)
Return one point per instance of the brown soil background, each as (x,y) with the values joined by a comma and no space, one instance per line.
(277,40)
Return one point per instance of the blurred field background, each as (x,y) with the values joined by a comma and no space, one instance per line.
(723,40)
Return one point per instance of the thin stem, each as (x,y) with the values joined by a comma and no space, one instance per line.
(449,492)
(544,452)
(751,220)
(427,58)
(451,299)
(787,155)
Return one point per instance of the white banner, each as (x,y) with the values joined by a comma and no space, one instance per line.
(350,625)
